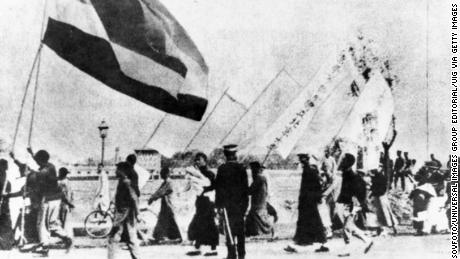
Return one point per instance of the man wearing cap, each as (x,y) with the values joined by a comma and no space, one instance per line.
(50,196)
(232,196)
(258,221)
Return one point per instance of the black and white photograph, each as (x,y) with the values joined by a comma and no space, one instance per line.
(235,129)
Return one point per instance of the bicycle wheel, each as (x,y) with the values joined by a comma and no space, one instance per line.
(98,224)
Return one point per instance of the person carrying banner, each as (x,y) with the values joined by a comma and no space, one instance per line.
(48,222)
(232,200)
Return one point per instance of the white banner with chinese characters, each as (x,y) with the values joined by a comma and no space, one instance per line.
(283,135)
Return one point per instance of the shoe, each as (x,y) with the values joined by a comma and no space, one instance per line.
(28,248)
(322,249)
(42,250)
(193,253)
(368,247)
(290,249)
(211,253)
(68,244)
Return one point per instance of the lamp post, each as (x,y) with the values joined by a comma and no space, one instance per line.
(103,128)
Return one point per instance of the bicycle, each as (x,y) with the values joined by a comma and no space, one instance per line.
(99,222)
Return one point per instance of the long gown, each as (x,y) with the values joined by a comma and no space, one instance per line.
(166,225)
(309,225)
(6,231)
(203,229)
(258,221)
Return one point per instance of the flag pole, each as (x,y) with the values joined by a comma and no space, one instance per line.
(427,89)
(250,106)
(155,130)
(34,63)
(206,120)
(34,101)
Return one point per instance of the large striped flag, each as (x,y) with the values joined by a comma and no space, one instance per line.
(133,46)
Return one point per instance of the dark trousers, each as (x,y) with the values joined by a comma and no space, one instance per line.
(402,176)
(237,228)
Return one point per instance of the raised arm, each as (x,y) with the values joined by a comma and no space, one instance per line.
(23,168)
(393,138)
(164,190)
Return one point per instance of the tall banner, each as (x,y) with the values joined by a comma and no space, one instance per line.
(283,135)
(370,120)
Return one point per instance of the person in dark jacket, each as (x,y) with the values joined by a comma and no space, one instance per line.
(398,170)
(352,198)
(48,222)
(126,212)
(232,197)
(381,204)
(132,159)
(386,161)
(203,229)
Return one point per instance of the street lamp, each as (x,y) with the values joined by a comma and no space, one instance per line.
(103,128)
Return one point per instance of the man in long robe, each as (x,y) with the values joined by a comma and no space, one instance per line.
(166,227)
(310,228)
(258,221)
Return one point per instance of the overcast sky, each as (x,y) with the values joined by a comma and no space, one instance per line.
(245,43)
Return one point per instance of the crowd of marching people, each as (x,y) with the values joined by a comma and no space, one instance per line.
(335,194)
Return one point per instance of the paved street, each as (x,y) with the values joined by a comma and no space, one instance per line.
(429,247)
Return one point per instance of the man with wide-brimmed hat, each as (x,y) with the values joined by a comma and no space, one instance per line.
(232,197)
